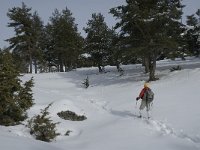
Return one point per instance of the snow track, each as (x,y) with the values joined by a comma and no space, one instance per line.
(159,126)
(165,129)
(111,111)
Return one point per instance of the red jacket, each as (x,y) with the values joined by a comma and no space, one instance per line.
(142,92)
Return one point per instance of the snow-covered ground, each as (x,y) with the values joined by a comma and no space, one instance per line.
(110,106)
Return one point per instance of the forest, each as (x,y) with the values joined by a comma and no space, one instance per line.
(147,31)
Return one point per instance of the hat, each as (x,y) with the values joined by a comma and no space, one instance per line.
(146,84)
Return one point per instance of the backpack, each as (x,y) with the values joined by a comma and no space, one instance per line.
(149,95)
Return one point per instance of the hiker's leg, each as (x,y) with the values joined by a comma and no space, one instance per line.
(142,106)
(140,113)
(148,109)
(148,114)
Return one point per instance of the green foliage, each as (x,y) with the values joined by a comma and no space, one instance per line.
(192,20)
(26,42)
(26,95)
(149,28)
(192,36)
(98,40)
(175,54)
(175,68)
(64,42)
(42,127)
(117,51)
(69,115)
(15,97)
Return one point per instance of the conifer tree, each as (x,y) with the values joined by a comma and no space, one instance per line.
(15,97)
(27,27)
(115,53)
(37,39)
(65,41)
(193,33)
(149,27)
(98,40)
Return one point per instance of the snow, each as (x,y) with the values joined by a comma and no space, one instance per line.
(110,107)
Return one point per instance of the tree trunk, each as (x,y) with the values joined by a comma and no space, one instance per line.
(118,66)
(100,69)
(49,66)
(35,64)
(152,68)
(143,61)
(61,65)
(30,63)
(147,64)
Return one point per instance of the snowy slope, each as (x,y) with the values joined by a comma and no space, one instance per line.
(110,106)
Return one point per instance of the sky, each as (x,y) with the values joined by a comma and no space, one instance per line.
(81,11)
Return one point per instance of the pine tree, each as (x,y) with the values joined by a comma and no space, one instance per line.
(65,41)
(149,27)
(27,27)
(97,40)
(115,52)
(37,39)
(193,33)
(47,46)
(15,97)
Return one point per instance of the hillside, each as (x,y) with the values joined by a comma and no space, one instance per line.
(110,106)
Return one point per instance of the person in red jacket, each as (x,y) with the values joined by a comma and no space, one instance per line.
(144,103)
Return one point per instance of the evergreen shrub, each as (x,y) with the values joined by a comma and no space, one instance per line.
(69,115)
(15,97)
(42,127)
(86,83)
